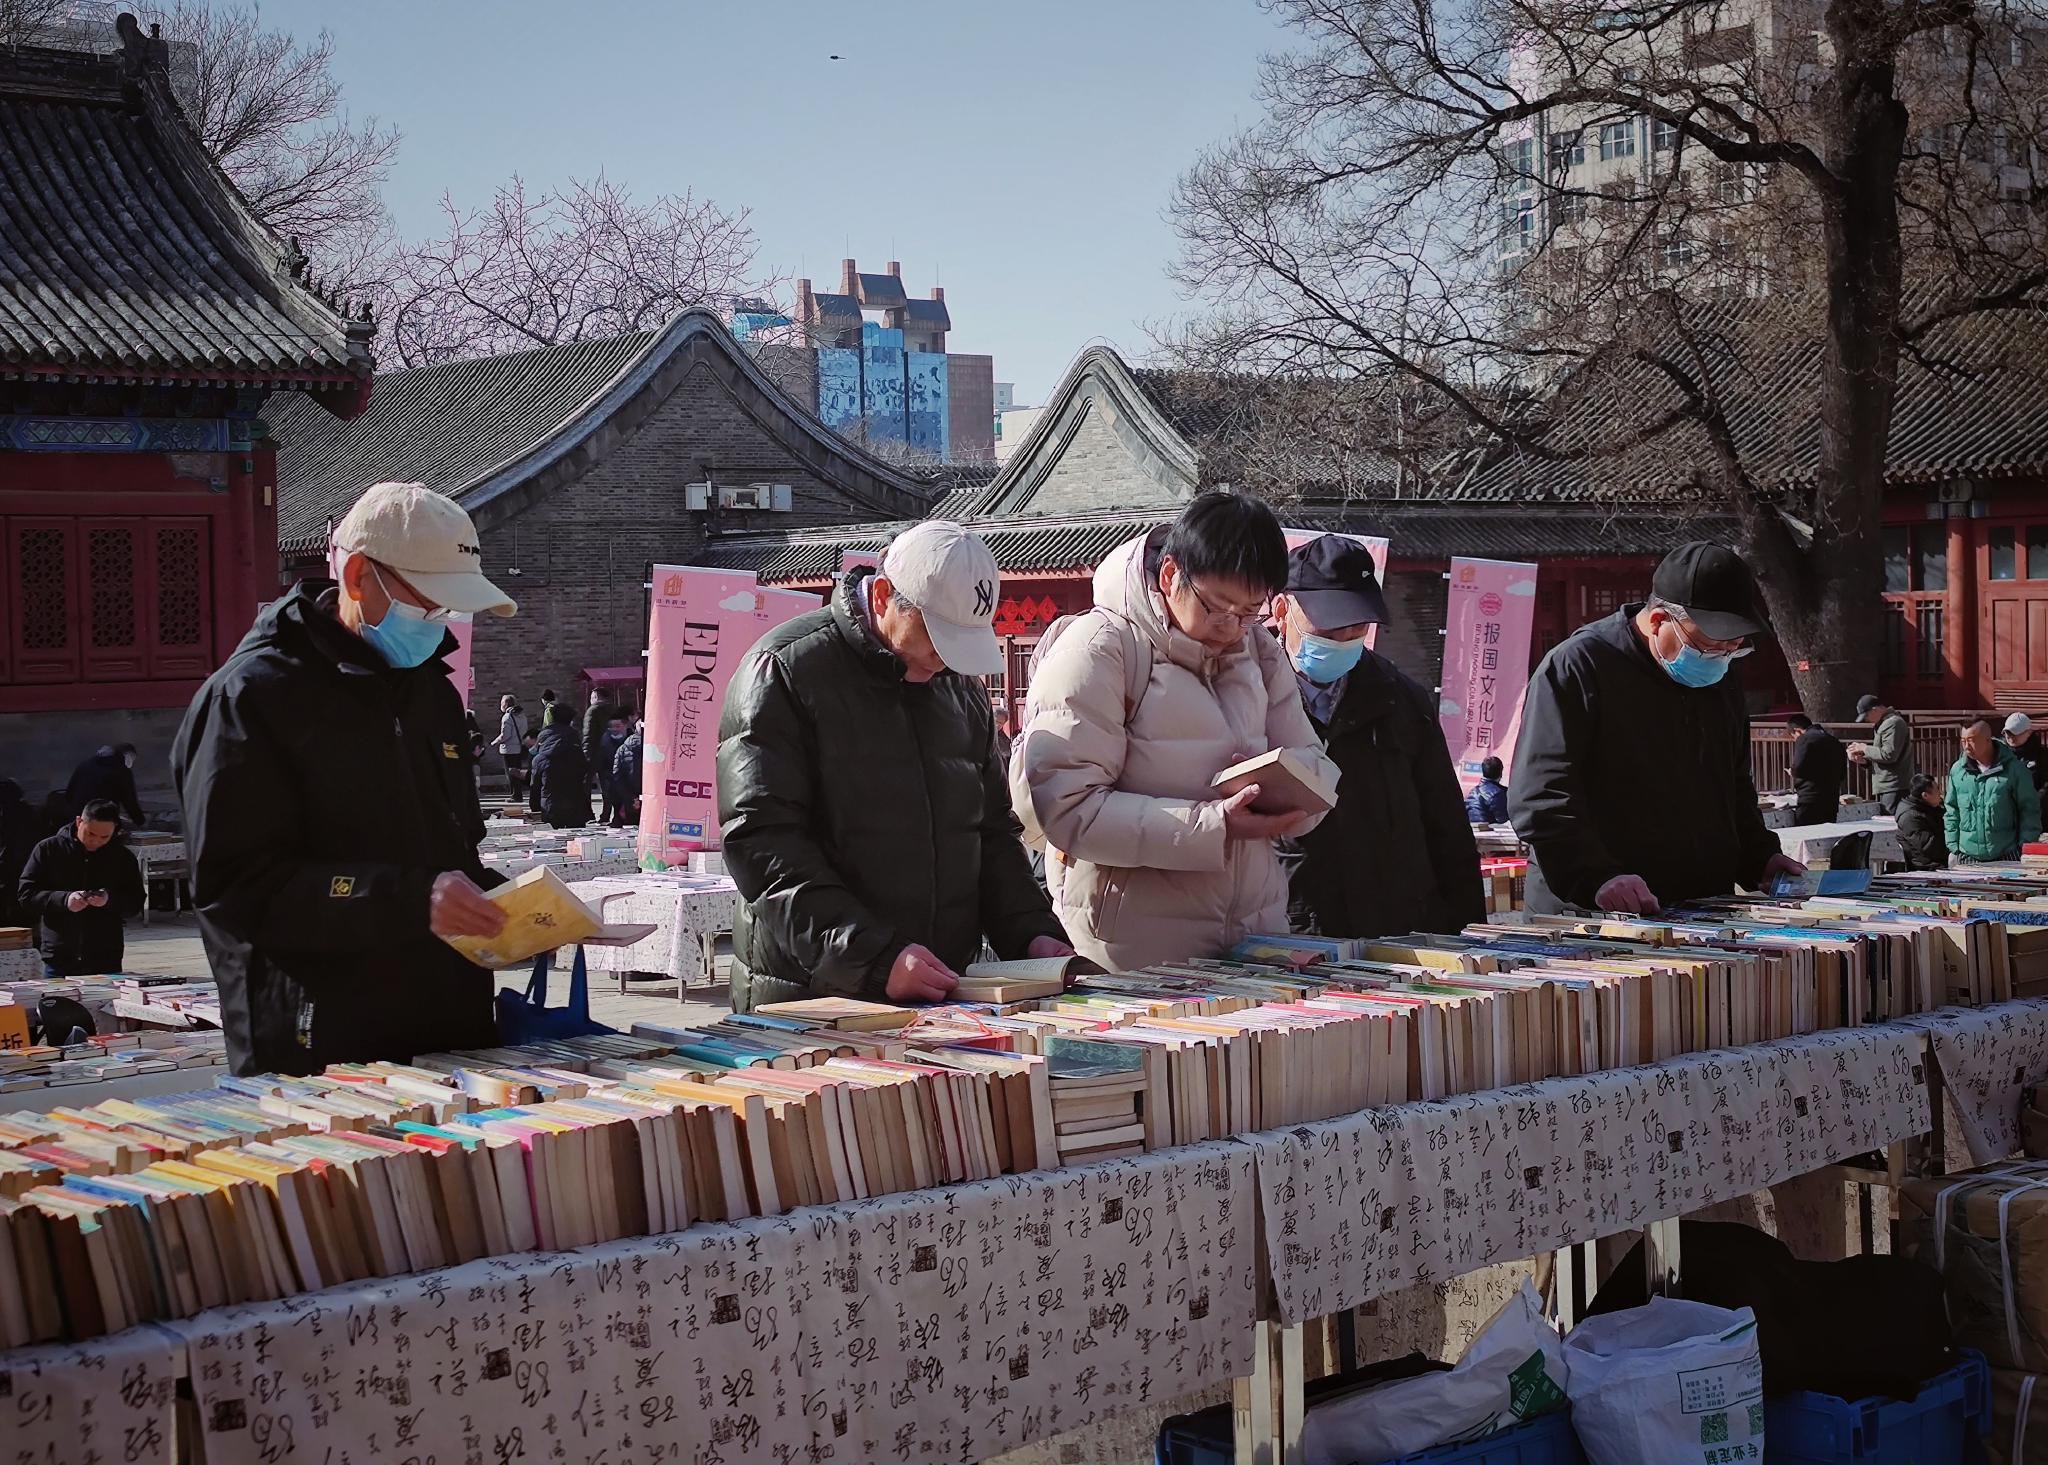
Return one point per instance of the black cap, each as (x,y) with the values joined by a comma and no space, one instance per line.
(1865,703)
(1714,587)
(1331,578)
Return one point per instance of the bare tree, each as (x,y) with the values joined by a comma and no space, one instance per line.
(22,21)
(1682,213)
(269,111)
(574,263)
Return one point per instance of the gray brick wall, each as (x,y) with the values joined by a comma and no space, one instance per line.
(576,561)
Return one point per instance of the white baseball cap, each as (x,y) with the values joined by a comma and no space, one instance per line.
(950,576)
(427,538)
(2019,724)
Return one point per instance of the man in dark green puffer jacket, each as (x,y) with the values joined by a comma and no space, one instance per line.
(1992,807)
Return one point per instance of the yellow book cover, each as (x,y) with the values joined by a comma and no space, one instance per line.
(541,914)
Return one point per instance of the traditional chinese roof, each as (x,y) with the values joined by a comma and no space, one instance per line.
(481,429)
(1077,543)
(126,255)
(1972,404)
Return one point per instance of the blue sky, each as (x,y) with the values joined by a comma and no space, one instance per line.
(1020,155)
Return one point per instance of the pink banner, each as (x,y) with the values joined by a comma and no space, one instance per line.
(1486,660)
(703,623)
(1374,546)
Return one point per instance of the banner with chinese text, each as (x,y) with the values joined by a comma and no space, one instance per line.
(1488,622)
(1375,546)
(702,623)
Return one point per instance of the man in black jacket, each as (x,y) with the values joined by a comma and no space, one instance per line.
(1397,853)
(1632,784)
(2027,747)
(108,774)
(1923,830)
(865,817)
(561,783)
(82,883)
(331,809)
(1819,764)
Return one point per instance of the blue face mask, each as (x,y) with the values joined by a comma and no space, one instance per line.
(1322,660)
(405,637)
(1696,668)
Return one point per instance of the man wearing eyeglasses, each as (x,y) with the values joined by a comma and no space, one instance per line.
(325,773)
(1631,782)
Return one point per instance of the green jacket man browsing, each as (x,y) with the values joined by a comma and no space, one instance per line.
(1992,808)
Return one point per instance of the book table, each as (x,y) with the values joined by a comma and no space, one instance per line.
(964,1321)
(689,914)
(23,964)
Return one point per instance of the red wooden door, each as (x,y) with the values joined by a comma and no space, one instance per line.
(2013,588)
(42,599)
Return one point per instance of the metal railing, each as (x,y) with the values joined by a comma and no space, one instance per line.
(1935,734)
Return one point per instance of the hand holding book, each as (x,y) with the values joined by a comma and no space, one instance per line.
(1242,820)
(919,976)
(457,907)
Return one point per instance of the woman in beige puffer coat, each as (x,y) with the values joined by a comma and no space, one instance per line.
(1144,866)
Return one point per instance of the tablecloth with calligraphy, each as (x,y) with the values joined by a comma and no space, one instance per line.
(1358,1207)
(683,917)
(948,1325)
(1987,1055)
(97,1403)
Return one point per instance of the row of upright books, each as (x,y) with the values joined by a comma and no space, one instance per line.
(124,1211)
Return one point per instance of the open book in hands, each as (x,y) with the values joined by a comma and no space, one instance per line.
(1287,784)
(541,914)
(1024,980)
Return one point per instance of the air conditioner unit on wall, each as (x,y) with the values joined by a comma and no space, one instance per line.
(772,498)
(696,496)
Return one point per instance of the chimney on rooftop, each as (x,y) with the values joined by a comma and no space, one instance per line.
(848,285)
(804,310)
(938,292)
(896,268)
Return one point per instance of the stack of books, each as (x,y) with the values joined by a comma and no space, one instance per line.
(1103,1094)
(15,938)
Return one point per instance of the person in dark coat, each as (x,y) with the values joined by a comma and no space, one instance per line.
(597,718)
(1488,801)
(1631,784)
(2027,746)
(21,829)
(81,883)
(330,808)
(1396,854)
(1921,836)
(865,818)
(609,781)
(561,784)
(108,774)
(1819,765)
(625,784)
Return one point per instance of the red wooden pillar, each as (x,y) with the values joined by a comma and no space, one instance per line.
(1959,612)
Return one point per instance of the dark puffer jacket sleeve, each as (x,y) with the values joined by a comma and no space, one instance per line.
(1014,906)
(765,797)
(1543,797)
(242,810)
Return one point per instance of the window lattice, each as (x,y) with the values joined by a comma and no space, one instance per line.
(45,625)
(178,617)
(110,572)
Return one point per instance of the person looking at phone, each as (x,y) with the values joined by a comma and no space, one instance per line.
(81,883)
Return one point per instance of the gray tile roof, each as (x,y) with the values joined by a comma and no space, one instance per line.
(126,254)
(931,314)
(482,428)
(1973,404)
(444,426)
(834,309)
(1417,531)
(880,292)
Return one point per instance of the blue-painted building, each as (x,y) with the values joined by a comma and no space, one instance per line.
(882,372)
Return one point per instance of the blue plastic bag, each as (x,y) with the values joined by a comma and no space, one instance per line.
(527,1018)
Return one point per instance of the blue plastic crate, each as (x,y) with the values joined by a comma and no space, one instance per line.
(1204,1438)
(1940,1427)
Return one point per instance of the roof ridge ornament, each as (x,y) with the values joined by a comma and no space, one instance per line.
(140,53)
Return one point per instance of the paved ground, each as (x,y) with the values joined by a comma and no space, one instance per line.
(169,946)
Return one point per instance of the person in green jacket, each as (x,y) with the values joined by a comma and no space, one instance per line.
(1992,808)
